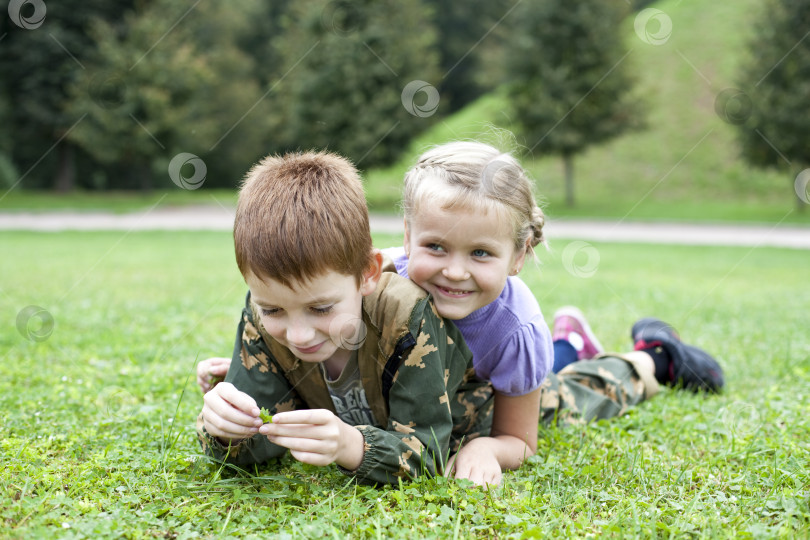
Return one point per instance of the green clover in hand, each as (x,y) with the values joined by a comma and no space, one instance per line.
(265,415)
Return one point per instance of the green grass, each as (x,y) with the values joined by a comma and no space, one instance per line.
(115,201)
(97,420)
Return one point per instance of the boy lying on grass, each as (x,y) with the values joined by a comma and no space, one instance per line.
(355,366)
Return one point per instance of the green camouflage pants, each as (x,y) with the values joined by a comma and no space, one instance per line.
(601,388)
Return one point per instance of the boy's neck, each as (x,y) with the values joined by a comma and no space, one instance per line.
(334,365)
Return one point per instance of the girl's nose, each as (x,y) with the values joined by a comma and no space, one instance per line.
(455,271)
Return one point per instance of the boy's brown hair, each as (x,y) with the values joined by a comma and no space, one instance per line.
(301,215)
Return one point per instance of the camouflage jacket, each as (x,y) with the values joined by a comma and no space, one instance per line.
(416,371)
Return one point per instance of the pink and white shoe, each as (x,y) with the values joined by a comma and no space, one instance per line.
(570,324)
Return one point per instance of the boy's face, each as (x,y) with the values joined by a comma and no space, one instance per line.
(314,319)
(461,258)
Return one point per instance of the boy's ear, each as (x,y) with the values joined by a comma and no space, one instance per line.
(371,275)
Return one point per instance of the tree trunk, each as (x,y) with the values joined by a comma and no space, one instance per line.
(146,179)
(568,166)
(66,173)
(140,177)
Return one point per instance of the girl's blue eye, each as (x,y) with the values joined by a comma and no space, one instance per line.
(480,253)
(434,247)
(321,310)
(269,312)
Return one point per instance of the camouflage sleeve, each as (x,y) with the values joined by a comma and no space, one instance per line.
(420,422)
(253,371)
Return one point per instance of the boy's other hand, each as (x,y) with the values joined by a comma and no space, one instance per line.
(229,414)
(317,437)
(211,371)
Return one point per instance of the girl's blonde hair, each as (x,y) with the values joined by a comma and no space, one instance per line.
(475,175)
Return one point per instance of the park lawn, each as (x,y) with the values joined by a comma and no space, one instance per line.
(113,201)
(97,417)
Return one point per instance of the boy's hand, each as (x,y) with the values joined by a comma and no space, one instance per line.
(230,414)
(317,437)
(211,371)
(476,461)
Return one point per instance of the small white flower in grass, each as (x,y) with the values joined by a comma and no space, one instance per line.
(65,525)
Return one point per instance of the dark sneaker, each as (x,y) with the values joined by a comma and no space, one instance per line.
(691,366)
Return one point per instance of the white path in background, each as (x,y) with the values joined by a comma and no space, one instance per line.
(221,219)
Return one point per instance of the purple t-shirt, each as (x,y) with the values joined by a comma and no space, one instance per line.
(509,339)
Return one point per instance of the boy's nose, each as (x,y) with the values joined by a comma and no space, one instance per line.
(299,334)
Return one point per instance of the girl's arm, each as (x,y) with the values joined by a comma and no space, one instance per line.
(515,427)
(512,440)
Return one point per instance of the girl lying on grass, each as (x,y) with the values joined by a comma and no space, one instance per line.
(471,220)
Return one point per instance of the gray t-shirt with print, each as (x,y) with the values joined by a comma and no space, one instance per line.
(349,396)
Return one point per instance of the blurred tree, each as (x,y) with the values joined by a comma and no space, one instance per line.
(261,43)
(259,40)
(468,35)
(350,77)
(771,107)
(170,80)
(44,48)
(570,84)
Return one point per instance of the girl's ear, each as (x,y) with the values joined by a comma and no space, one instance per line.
(372,274)
(520,259)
